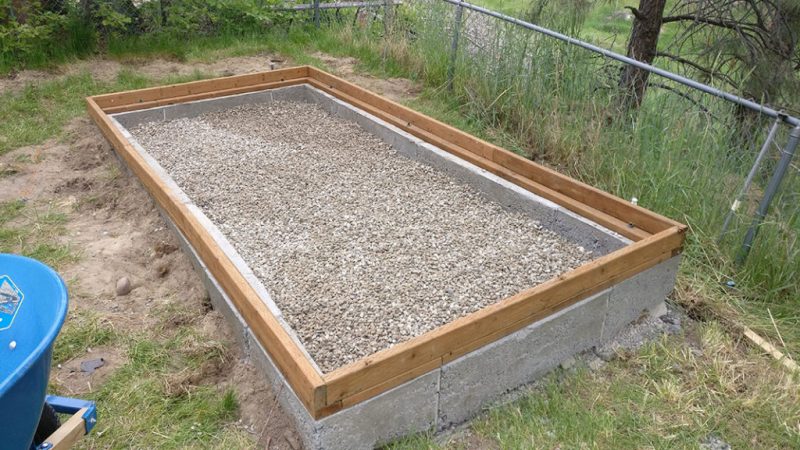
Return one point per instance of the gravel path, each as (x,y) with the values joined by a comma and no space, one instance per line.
(360,247)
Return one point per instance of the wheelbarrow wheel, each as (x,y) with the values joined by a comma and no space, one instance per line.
(48,424)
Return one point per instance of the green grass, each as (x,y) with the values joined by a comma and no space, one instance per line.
(82,331)
(33,231)
(157,399)
(670,394)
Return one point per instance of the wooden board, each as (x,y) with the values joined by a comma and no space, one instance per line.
(655,237)
(500,319)
(298,370)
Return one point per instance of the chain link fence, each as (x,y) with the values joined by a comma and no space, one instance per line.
(682,153)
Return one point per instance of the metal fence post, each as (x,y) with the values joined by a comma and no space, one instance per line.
(451,69)
(316,13)
(749,180)
(388,16)
(769,194)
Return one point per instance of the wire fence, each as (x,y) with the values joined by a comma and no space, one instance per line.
(546,87)
(682,153)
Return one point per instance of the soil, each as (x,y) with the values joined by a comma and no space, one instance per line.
(105,70)
(116,230)
(397,89)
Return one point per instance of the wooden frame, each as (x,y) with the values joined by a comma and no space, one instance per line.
(655,239)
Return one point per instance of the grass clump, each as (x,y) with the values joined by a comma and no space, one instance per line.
(33,232)
(82,331)
(163,396)
(670,395)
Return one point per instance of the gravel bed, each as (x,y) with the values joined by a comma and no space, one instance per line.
(360,247)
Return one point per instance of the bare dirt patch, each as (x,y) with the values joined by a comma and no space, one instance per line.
(107,70)
(115,230)
(397,89)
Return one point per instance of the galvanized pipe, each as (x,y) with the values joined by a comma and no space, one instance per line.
(451,69)
(793,121)
(316,13)
(769,194)
(749,180)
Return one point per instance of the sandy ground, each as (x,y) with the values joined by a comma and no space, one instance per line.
(115,229)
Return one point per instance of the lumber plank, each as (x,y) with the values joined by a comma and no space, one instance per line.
(204,95)
(69,432)
(609,204)
(303,377)
(500,318)
(197,87)
(785,360)
(600,217)
(547,311)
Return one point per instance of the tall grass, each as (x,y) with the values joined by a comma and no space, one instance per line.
(682,158)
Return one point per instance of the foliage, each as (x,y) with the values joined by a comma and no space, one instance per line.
(38,35)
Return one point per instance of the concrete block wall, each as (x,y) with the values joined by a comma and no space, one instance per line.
(464,387)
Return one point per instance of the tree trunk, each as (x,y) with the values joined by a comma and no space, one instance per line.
(642,46)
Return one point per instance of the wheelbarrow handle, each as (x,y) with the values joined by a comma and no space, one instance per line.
(84,417)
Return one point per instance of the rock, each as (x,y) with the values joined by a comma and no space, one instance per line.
(90,365)
(712,442)
(659,310)
(596,364)
(605,353)
(124,286)
(568,363)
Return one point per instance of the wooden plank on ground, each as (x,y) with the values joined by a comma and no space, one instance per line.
(304,378)
(69,432)
(500,318)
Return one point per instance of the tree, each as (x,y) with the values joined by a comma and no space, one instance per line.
(642,46)
(749,47)
(746,46)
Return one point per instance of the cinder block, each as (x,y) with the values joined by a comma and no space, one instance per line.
(297,93)
(136,118)
(481,377)
(639,294)
(307,427)
(408,408)
(196,108)
(585,233)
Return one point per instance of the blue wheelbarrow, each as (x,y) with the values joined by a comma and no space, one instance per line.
(33,305)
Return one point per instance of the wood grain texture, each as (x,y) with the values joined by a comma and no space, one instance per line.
(69,432)
(306,381)
(214,85)
(204,95)
(500,319)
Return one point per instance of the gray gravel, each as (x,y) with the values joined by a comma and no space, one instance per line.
(360,247)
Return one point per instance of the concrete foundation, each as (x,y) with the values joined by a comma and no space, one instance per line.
(462,388)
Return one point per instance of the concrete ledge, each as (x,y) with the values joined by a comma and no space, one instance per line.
(460,389)
(641,294)
(481,377)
